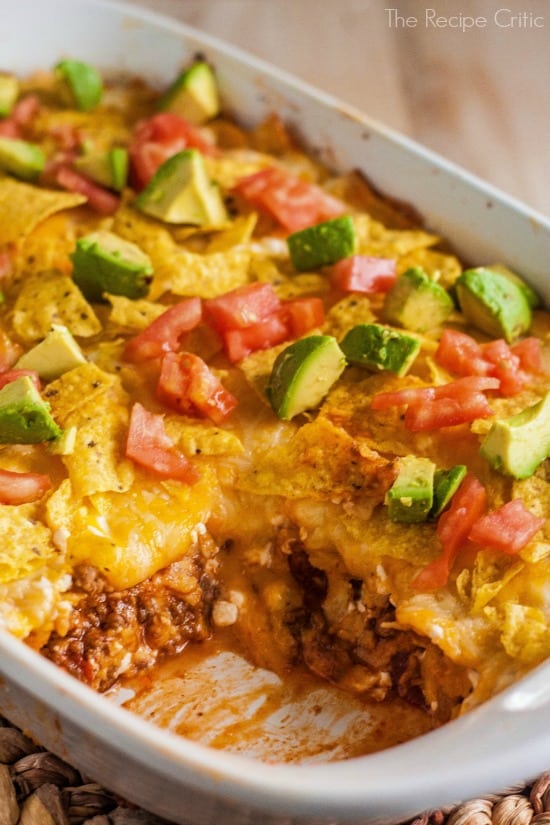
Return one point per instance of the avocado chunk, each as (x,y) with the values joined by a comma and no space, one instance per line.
(104,262)
(446,483)
(110,169)
(410,498)
(303,373)
(193,94)
(378,347)
(181,191)
(533,299)
(417,303)
(56,354)
(516,446)
(80,84)
(493,303)
(22,159)
(24,416)
(9,91)
(322,244)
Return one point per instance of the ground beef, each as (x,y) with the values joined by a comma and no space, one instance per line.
(111,632)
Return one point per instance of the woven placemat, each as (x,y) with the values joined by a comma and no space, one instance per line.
(38,788)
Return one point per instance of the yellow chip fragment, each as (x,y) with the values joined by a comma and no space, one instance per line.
(133,314)
(442,267)
(525,634)
(238,232)
(205,276)
(373,238)
(201,437)
(26,543)
(23,206)
(50,297)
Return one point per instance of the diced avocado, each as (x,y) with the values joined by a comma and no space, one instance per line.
(181,191)
(417,303)
(533,299)
(410,498)
(446,483)
(9,91)
(22,159)
(516,446)
(303,373)
(493,303)
(322,244)
(24,416)
(80,84)
(56,354)
(110,169)
(378,347)
(104,262)
(194,94)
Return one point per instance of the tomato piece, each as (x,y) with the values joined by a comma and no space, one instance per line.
(21,488)
(362,273)
(187,384)
(149,445)
(293,202)
(25,110)
(164,333)
(158,138)
(453,529)
(12,375)
(241,307)
(99,198)
(9,128)
(529,352)
(508,528)
(304,314)
(238,343)
(461,354)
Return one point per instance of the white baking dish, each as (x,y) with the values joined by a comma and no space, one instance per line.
(503,742)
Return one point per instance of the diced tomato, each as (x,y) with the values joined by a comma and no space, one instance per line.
(461,354)
(157,139)
(164,333)
(149,445)
(293,202)
(508,529)
(187,384)
(238,343)
(99,198)
(453,528)
(12,375)
(362,273)
(529,352)
(21,488)
(9,128)
(25,110)
(241,307)
(304,314)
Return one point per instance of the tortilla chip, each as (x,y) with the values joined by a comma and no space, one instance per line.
(206,276)
(23,206)
(201,437)
(490,574)
(234,165)
(351,310)
(95,403)
(239,232)
(525,635)
(50,297)
(373,238)
(440,266)
(133,314)
(26,542)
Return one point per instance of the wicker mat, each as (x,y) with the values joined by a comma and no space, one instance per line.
(38,788)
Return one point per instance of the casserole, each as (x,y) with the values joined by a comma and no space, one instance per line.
(213,783)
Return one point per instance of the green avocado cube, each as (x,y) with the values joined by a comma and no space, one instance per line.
(24,416)
(9,92)
(22,159)
(322,244)
(533,299)
(410,498)
(181,191)
(105,263)
(378,347)
(516,446)
(493,303)
(303,373)
(417,303)
(446,483)
(56,354)
(109,169)
(193,94)
(80,84)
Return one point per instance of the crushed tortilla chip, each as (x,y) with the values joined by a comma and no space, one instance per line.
(234,165)
(374,239)
(351,310)
(23,206)
(490,574)
(50,297)
(440,266)
(201,437)
(26,543)
(133,313)
(205,276)
(239,232)
(525,634)
(95,403)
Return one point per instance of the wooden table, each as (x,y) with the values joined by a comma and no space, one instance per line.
(467,78)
